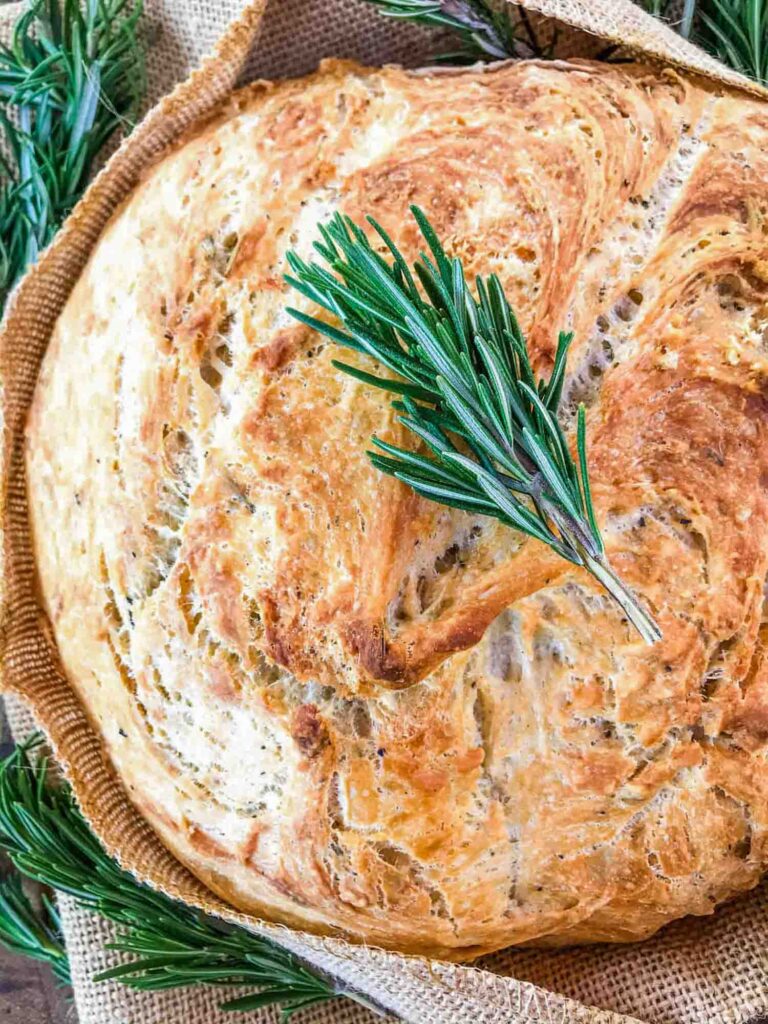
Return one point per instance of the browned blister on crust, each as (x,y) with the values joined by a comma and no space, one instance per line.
(356,711)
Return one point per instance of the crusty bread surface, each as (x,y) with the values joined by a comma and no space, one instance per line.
(353,710)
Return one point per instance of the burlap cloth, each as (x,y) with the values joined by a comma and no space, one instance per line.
(700,971)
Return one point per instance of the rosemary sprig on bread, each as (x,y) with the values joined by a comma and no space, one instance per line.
(490,440)
(170,945)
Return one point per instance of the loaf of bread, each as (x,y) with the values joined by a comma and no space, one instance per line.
(345,707)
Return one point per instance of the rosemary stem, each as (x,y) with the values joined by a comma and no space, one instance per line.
(467,361)
(356,996)
(623,596)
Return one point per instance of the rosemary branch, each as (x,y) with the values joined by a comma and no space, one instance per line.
(70,77)
(485,31)
(491,441)
(30,931)
(170,945)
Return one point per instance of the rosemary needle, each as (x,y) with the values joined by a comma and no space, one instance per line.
(31,931)
(491,443)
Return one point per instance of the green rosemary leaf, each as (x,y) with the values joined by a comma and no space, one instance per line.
(132,966)
(466,373)
(340,337)
(512,510)
(476,425)
(581,445)
(454,498)
(554,388)
(402,268)
(31,931)
(435,440)
(547,425)
(169,944)
(402,456)
(397,387)
(435,417)
(434,243)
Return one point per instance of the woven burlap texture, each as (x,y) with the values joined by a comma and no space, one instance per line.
(697,972)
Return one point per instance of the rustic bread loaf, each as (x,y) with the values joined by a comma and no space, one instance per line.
(356,711)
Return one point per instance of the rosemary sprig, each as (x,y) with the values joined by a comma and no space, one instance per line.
(171,945)
(29,931)
(485,31)
(492,444)
(736,31)
(70,77)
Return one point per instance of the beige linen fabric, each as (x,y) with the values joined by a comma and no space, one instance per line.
(711,971)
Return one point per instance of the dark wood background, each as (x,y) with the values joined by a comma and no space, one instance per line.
(28,994)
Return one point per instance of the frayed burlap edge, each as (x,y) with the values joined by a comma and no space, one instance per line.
(635,31)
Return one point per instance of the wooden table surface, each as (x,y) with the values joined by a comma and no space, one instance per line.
(29,995)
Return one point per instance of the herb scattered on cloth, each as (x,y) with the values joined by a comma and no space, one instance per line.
(70,77)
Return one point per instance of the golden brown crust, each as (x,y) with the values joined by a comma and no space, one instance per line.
(351,709)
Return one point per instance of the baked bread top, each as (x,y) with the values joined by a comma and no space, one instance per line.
(346,707)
